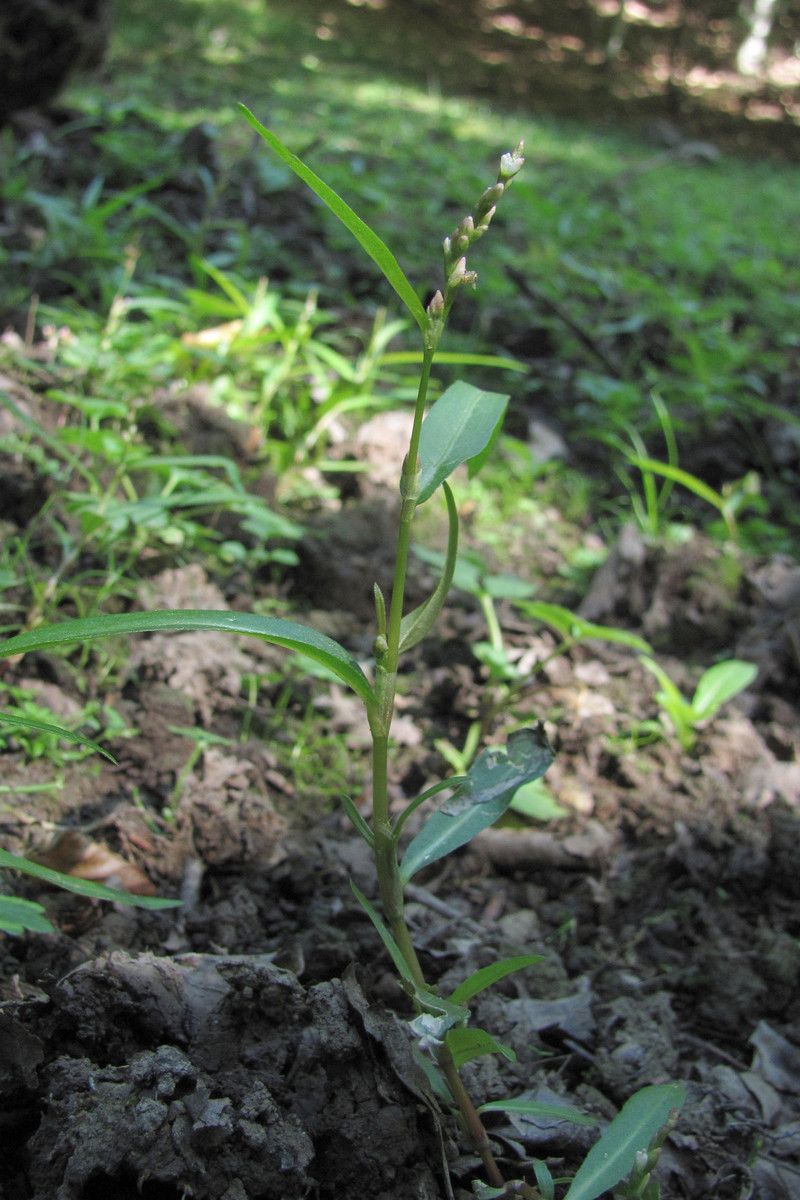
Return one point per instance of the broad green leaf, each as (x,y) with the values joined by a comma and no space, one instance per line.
(375,248)
(465,1043)
(17,915)
(316,646)
(481,799)
(458,427)
(720,684)
(570,625)
(486,976)
(631,1130)
(30,723)
(81,887)
(533,1108)
(385,936)
(418,623)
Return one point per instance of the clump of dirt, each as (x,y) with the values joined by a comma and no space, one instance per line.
(221,1076)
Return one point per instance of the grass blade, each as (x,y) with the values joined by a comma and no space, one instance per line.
(67,734)
(82,887)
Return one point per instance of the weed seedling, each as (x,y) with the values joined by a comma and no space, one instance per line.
(716,687)
(459,428)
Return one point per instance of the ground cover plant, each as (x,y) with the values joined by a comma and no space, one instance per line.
(459,428)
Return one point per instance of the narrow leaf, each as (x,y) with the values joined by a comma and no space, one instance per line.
(544,1180)
(358,821)
(417,624)
(677,475)
(81,887)
(481,800)
(486,976)
(465,1044)
(569,624)
(533,1108)
(30,723)
(413,805)
(385,936)
(455,358)
(720,684)
(631,1130)
(317,646)
(458,427)
(375,248)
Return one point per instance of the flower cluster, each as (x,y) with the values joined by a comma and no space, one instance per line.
(466,233)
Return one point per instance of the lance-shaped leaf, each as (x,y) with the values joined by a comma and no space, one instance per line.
(459,427)
(81,887)
(391,945)
(481,799)
(417,624)
(534,1108)
(465,1043)
(31,723)
(316,646)
(610,1159)
(720,684)
(378,251)
(484,977)
(570,625)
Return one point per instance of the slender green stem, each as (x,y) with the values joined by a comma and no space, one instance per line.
(490,616)
(387,652)
(472,1120)
(406,517)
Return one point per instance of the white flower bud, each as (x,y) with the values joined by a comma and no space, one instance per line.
(484,225)
(511,163)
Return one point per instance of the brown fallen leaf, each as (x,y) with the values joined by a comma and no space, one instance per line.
(74,854)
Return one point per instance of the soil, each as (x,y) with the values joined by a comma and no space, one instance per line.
(253,1044)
